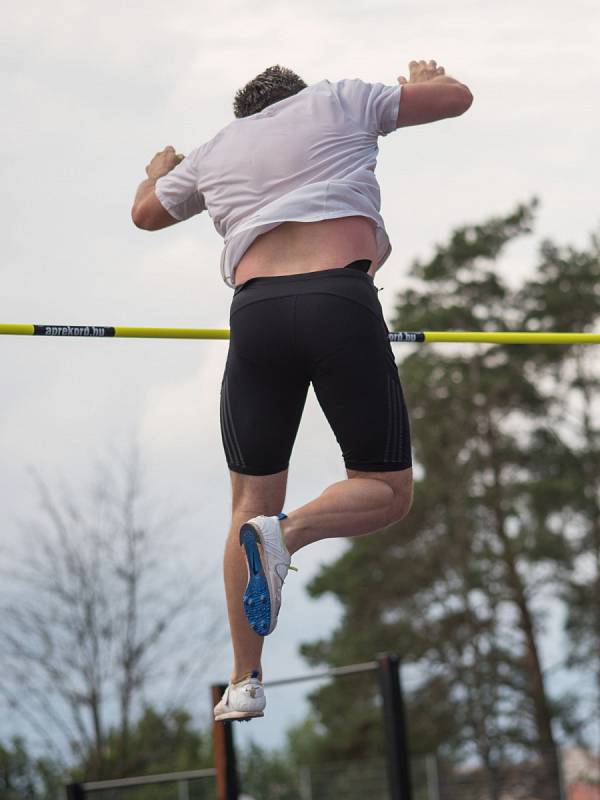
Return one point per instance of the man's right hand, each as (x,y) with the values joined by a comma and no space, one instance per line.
(420,71)
(163,162)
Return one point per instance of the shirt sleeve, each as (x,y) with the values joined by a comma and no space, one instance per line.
(178,190)
(373,105)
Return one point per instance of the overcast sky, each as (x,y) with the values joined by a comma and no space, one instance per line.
(91,90)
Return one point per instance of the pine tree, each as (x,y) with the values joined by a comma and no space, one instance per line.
(455,589)
(565,295)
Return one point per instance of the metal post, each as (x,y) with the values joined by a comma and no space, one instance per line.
(75,791)
(433,778)
(561,775)
(225,763)
(183,790)
(305,784)
(395,727)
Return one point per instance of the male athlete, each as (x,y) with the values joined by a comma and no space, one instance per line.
(290,185)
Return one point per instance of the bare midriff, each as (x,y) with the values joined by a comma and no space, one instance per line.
(295,247)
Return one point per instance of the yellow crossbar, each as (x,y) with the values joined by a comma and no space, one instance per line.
(487,337)
(516,337)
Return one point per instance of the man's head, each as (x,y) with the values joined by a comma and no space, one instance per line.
(274,84)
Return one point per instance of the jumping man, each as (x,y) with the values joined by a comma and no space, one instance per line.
(290,185)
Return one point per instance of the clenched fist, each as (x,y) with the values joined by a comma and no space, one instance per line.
(422,71)
(163,162)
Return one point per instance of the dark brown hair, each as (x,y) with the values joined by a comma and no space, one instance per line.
(274,84)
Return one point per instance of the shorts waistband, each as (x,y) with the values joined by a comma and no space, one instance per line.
(356,269)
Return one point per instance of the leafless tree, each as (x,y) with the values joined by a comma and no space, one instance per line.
(99,615)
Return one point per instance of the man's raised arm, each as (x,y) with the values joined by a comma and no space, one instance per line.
(147,212)
(430,94)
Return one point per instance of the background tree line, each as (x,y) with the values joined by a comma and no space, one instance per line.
(504,534)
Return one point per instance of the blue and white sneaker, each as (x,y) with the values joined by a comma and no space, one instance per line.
(242,701)
(268,564)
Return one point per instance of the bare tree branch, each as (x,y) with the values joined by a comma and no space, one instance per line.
(93,610)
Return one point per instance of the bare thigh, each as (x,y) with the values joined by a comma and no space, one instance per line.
(258,494)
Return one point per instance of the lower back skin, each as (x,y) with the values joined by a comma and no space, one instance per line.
(295,247)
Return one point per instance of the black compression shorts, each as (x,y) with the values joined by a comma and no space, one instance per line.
(325,328)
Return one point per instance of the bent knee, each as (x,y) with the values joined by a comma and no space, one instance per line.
(401,503)
(401,485)
(252,495)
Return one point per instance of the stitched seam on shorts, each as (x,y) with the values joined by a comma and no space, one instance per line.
(406,452)
(253,470)
(344,346)
(229,454)
(386,455)
(398,420)
(376,314)
(378,466)
(393,444)
(295,326)
(240,458)
(226,440)
(231,428)
(390,355)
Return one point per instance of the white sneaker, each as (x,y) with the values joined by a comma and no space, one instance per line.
(268,564)
(243,700)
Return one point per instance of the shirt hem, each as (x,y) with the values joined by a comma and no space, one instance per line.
(393,114)
(170,209)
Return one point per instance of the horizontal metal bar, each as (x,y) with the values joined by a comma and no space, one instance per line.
(167,777)
(411,337)
(334,672)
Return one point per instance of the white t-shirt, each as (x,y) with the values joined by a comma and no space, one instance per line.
(309,157)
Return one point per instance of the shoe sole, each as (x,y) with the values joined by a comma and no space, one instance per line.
(257,598)
(239,716)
